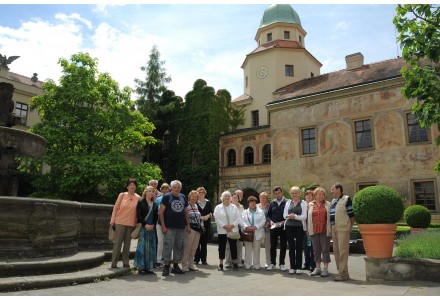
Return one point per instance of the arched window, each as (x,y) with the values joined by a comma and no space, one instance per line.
(232,158)
(248,155)
(266,154)
(197,158)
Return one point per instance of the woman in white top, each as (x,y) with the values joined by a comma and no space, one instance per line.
(235,200)
(254,220)
(227,219)
(295,213)
(264,206)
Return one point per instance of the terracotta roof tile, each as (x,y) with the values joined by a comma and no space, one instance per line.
(241,98)
(342,79)
(278,44)
(23,79)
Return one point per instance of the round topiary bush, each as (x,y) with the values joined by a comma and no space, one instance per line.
(377,205)
(417,216)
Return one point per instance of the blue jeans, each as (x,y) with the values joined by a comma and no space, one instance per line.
(309,257)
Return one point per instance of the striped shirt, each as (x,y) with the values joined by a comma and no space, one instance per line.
(348,207)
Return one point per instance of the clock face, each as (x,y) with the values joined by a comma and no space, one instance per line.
(262,72)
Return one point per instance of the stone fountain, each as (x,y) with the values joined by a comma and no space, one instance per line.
(34,227)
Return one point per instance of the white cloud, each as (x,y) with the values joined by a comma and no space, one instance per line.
(72,18)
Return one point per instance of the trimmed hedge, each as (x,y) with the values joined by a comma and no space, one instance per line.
(377,205)
(417,216)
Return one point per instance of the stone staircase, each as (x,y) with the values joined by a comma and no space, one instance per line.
(83,267)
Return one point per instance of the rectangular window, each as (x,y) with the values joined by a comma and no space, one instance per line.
(308,141)
(363,185)
(269,37)
(424,194)
(286,35)
(255,118)
(416,133)
(289,70)
(21,110)
(363,134)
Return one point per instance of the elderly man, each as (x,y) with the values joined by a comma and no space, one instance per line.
(341,222)
(174,219)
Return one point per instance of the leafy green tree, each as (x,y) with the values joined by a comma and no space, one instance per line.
(88,124)
(419,36)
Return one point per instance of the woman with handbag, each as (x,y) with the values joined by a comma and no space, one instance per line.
(227,218)
(192,238)
(147,214)
(253,223)
(123,221)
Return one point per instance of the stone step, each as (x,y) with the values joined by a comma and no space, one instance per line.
(100,273)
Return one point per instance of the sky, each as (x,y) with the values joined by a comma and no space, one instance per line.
(195,41)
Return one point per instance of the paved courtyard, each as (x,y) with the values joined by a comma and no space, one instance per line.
(210,282)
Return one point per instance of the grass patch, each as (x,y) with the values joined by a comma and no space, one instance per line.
(420,245)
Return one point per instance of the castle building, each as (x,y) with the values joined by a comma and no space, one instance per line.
(351,126)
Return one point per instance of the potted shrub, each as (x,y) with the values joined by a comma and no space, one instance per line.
(417,217)
(377,210)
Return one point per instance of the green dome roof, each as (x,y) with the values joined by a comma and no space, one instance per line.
(279,13)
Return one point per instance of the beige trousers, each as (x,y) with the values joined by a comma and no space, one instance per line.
(122,236)
(191,243)
(341,250)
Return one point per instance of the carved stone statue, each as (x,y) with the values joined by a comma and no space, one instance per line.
(5,61)
(7,118)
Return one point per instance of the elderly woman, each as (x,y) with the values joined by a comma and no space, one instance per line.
(147,214)
(318,225)
(227,218)
(235,200)
(295,213)
(192,237)
(309,258)
(254,221)
(264,206)
(123,221)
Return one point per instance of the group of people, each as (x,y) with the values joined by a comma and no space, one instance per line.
(175,229)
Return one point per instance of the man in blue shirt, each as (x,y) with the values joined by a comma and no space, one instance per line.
(174,218)
(275,215)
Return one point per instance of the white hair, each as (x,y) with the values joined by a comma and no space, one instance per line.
(153,181)
(224,194)
(175,182)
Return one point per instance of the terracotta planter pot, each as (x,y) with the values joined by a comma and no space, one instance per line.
(378,239)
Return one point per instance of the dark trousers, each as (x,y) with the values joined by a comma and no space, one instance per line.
(295,238)
(274,234)
(222,240)
(202,248)
(309,256)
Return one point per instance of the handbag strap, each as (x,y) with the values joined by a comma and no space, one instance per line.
(149,211)
(194,214)
(226,212)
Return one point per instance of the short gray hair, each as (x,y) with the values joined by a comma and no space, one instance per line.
(175,182)
(224,194)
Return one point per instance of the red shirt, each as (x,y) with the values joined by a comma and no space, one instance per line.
(319,218)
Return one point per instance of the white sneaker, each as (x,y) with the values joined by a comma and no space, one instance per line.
(270,267)
(324,273)
(316,272)
(282,268)
(298,272)
(292,271)
(265,266)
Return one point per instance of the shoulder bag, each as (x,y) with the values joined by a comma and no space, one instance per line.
(197,227)
(137,230)
(230,234)
(247,236)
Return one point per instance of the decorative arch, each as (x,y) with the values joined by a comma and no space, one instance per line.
(248,155)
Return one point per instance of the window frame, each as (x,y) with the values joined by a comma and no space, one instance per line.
(434,187)
(245,163)
(255,118)
(302,140)
(365,184)
(407,130)
(286,35)
(228,164)
(355,133)
(266,158)
(23,118)
(288,72)
(269,37)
